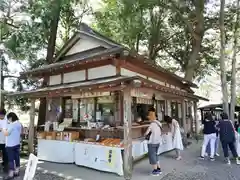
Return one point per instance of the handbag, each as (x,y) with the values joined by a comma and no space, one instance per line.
(147,137)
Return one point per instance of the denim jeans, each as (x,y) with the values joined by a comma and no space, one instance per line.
(13,157)
(4,155)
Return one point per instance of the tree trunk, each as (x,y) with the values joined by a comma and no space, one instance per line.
(191,66)
(233,75)
(222,59)
(197,31)
(56,9)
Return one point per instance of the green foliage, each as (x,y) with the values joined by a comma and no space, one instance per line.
(27,39)
(165,31)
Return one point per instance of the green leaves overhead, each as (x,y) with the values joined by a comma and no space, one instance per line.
(25,28)
(166,31)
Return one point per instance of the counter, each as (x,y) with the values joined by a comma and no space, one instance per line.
(96,156)
(116,132)
(56,151)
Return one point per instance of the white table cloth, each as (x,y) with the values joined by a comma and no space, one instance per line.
(103,158)
(56,151)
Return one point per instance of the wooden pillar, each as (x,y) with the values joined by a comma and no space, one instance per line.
(184,116)
(127,159)
(31,134)
(197,123)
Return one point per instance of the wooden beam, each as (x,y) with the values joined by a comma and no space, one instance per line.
(197,123)
(127,158)
(31,127)
(184,116)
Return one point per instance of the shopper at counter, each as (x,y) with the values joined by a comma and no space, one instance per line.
(153,135)
(176,135)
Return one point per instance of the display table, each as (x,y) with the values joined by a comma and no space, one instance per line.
(56,151)
(96,156)
(103,158)
(139,147)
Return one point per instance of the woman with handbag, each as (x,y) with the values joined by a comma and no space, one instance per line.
(153,135)
(176,135)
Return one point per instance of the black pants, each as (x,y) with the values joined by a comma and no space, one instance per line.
(231,146)
(4,156)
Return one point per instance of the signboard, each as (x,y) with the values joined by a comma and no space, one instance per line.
(142,93)
(90,94)
(31,167)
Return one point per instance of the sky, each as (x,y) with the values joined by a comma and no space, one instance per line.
(212,82)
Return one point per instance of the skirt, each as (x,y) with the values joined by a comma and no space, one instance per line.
(177,140)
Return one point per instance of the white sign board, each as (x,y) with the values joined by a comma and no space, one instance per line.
(31,167)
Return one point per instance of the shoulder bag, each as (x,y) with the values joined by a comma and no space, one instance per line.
(147,137)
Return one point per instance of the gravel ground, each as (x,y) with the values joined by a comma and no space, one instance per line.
(190,168)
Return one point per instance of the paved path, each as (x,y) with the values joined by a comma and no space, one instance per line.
(190,168)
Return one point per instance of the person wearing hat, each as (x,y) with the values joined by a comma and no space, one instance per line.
(3,125)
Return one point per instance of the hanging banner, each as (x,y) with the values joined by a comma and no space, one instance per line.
(89,94)
(142,93)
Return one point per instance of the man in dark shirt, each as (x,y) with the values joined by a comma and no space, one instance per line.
(209,132)
(227,137)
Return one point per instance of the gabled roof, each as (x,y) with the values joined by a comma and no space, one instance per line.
(113,49)
(78,57)
(84,30)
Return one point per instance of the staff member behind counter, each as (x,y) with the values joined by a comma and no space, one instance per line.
(13,137)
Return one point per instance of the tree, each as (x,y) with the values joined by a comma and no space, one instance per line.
(28,40)
(56,20)
(222,58)
(56,6)
(165,31)
(8,41)
(234,58)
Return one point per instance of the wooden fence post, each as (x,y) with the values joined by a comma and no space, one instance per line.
(127,108)
(31,127)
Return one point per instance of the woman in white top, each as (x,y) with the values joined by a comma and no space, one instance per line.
(154,139)
(176,135)
(13,137)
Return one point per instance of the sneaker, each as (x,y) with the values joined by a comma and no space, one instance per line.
(237,161)
(159,170)
(212,159)
(179,158)
(217,154)
(228,161)
(155,172)
(206,154)
(201,157)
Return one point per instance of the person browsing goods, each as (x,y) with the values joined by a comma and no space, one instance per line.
(153,135)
